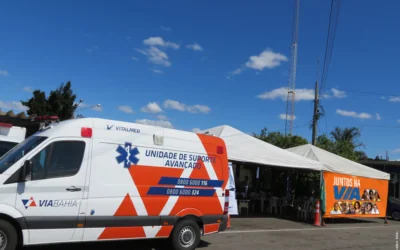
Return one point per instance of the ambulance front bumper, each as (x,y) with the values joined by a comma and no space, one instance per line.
(224,223)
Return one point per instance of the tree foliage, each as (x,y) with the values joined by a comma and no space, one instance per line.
(61,102)
(280,140)
(342,141)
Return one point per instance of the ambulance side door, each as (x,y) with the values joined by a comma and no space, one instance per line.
(51,196)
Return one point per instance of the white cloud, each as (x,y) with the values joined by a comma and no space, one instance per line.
(171,104)
(165,28)
(156,56)
(98,108)
(195,47)
(383,97)
(195,130)
(157,123)
(397,150)
(353,114)
(14,105)
(135,58)
(3,72)
(398,121)
(338,93)
(300,94)
(198,109)
(152,107)
(126,109)
(162,118)
(394,99)
(89,106)
(283,117)
(157,71)
(159,41)
(92,49)
(237,71)
(266,59)
(28,89)
(378,117)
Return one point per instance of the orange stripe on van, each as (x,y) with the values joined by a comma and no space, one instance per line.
(125,209)
(211,228)
(165,231)
(206,205)
(210,144)
(122,233)
(147,176)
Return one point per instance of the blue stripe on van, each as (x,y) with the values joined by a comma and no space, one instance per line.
(190,182)
(180,191)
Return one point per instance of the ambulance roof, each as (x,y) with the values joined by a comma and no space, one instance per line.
(100,127)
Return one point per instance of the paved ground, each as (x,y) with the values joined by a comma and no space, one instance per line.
(272,233)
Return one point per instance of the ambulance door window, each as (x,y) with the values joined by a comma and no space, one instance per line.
(59,159)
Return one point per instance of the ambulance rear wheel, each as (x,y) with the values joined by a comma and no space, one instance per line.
(185,236)
(8,236)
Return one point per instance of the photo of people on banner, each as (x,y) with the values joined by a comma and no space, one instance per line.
(354,196)
(367,205)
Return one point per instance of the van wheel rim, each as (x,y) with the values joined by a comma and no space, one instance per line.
(3,240)
(187,237)
(396,215)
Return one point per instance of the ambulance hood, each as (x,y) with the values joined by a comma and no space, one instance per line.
(242,147)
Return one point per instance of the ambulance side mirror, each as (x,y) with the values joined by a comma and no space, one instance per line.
(26,170)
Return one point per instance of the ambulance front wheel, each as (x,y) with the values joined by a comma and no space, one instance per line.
(8,236)
(186,235)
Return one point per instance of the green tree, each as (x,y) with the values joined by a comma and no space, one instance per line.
(347,135)
(61,102)
(324,142)
(37,104)
(280,140)
(343,142)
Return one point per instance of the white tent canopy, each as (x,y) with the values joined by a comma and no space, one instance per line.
(338,164)
(245,148)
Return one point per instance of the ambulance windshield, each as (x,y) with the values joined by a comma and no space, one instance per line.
(19,151)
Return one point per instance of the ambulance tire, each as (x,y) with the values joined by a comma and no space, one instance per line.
(8,236)
(185,235)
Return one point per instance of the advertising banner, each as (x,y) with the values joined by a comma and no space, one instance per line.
(353,196)
(233,207)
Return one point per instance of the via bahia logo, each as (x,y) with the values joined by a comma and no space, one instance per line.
(49,203)
(127,155)
(29,203)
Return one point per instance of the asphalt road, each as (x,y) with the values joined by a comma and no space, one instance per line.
(275,234)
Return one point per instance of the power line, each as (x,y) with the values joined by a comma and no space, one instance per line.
(381,126)
(333,20)
(299,126)
(372,93)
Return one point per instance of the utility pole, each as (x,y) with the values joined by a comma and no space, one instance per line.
(315,112)
(315,115)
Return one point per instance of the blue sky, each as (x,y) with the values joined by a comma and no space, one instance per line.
(196,65)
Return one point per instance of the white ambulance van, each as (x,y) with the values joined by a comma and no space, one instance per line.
(10,136)
(91,179)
